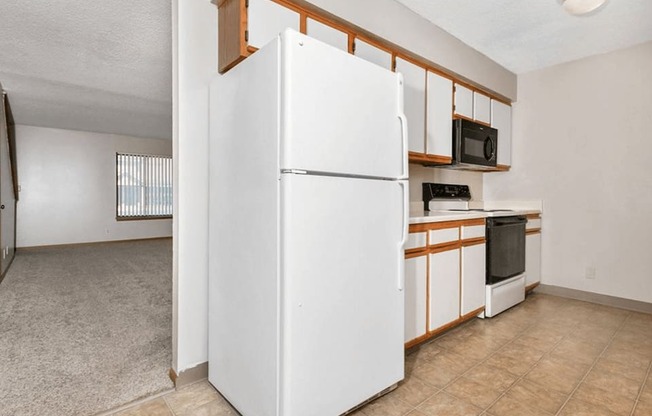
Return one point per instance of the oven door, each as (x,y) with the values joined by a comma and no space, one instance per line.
(475,144)
(505,248)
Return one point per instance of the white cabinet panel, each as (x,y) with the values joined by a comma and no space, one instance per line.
(501,119)
(533,223)
(373,54)
(327,34)
(463,101)
(439,117)
(415,297)
(415,240)
(446,235)
(532,258)
(444,288)
(267,19)
(473,231)
(473,278)
(481,107)
(415,103)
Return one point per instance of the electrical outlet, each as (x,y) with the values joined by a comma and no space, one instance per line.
(590,273)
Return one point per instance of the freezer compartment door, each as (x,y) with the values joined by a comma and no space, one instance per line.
(342,278)
(340,114)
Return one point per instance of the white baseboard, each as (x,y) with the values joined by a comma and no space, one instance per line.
(622,303)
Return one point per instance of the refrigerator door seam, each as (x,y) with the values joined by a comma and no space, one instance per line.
(338,175)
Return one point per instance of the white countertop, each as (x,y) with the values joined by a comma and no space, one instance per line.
(419,216)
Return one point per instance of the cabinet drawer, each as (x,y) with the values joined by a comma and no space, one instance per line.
(533,223)
(473,231)
(415,240)
(446,235)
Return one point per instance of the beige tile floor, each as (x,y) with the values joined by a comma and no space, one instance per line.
(547,356)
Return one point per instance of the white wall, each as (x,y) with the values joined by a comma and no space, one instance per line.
(393,21)
(194,63)
(582,143)
(420,174)
(68,190)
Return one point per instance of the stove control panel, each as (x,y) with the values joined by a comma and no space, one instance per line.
(444,191)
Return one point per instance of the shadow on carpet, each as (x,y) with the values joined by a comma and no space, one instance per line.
(85,329)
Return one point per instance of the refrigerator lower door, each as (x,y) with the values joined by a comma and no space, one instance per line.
(341,288)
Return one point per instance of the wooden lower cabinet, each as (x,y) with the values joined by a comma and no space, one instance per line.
(532,260)
(444,288)
(444,277)
(415,297)
(473,278)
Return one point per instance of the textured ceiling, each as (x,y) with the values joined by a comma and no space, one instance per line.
(103,66)
(524,35)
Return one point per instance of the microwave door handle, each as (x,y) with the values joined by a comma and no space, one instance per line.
(489,150)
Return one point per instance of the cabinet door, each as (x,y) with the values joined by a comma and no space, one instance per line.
(463,101)
(501,119)
(414,94)
(266,19)
(415,297)
(473,278)
(327,34)
(370,53)
(439,117)
(444,288)
(532,259)
(481,108)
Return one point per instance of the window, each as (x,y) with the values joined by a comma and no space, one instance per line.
(143,186)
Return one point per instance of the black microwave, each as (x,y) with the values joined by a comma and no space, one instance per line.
(474,145)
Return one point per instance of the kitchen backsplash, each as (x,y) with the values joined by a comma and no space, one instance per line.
(420,174)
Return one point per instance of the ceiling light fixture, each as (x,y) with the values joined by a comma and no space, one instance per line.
(580,7)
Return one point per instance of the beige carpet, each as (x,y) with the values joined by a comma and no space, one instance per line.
(85,329)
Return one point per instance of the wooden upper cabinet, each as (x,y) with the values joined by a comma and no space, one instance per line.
(327,34)
(244,26)
(371,53)
(501,119)
(463,101)
(439,119)
(481,108)
(414,97)
(266,19)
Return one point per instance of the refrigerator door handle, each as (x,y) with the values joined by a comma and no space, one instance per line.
(404,126)
(404,138)
(406,220)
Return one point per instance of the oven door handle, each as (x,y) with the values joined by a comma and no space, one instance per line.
(510,221)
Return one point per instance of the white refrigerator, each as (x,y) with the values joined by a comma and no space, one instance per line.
(308,218)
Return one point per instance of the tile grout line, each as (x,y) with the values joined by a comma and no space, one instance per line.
(521,377)
(640,392)
(168,406)
(622,324)
(517,336)
(442,389)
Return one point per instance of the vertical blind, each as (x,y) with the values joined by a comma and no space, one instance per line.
(143,186)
